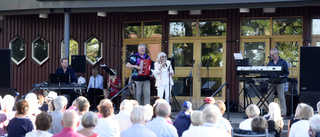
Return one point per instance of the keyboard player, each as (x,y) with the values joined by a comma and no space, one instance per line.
(277,61)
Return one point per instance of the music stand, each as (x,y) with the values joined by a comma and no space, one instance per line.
(59,79)
(108,70)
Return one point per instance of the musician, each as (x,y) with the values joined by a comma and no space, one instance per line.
(164,72)
(65,69)
(95,87)
(277,61)
(113,86)
(142,82)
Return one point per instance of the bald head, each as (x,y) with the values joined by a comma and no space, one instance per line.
(163,110)
(70,119)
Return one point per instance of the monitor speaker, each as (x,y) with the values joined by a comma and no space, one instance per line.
(5,69)
(309,73)
(78,63)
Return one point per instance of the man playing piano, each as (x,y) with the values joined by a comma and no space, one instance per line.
(142,82)
(277,61)
(65,69)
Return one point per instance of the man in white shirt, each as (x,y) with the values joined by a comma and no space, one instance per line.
(211,116)
(60,104)
(159,125)
(95,87)
(138,118)
(252,111)
(123,117)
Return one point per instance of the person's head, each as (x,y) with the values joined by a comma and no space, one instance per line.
(70,119)
(274,112)
(8,102)
(252,111)
(158,101)
(314,123)
(126,105)
(106,109)
(43,121)
(60,103)
(274,53)
(64,63)
(33,102)
(142,49)
(102,101)
(259,124)
(153,100)
(299,106)
(163,110)
(41,99)
(82,104)
(138,115)
(306,112)
(22,107)
(161,57)
(149,110)
(196,118)
(89,120)
(187,107)
(95,71)
(221,106)
(51,96)
(134,102)
(211,114)
(318,107)
(209,100)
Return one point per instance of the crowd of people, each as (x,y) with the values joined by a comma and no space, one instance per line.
(134,120)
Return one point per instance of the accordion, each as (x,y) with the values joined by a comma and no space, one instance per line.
(145,65)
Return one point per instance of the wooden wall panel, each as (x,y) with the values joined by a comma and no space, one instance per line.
(109,30)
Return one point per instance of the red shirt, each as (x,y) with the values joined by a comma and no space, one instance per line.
(114,90)
(68,132)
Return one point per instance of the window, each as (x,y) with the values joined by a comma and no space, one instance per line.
(40,50)
(18,50)
(183,28)
(212,52)
(287,26)
(73,48)
(132,30)
(183,54)
(316,32)
(212,28)
(255,27)
(93,50)
(152,30)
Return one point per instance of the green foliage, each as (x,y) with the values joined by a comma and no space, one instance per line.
(152,31)
(288,26)
(94,49)
(183,53)
(255,51)
(293,47)
(214,50)
(212,28)
(255,27)
(73,48)
(183,28)
(132,30)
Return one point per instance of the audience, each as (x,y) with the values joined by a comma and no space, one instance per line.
(159,125)
(107,127)
(70,122)
(43,123)
(223,123)
(123,117)
(314,123)
(134,102)
(300,128)
(60,104)
(149,111)
(259,125)
(182,121)
(138,117)
(196,118)
(20,125)
(82,105)
(8,102)
(207,102)
(252,111)
(211,116)
(318,107)
(43,105)
(89,122)
(275,121)
(3,118)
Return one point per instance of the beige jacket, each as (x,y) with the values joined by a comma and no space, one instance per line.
(158,73)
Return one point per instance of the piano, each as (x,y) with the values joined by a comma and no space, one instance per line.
(263,79)
(264,70)
(62,86)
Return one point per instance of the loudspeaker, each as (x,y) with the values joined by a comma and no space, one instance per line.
(288,104)
(5,69)
(309,73)
(78,63)
(310,98)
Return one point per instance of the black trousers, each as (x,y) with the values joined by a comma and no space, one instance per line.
(91,96)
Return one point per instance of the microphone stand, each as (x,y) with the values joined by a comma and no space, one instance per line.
(291,61)
(190,77)
(208,73)
(123,62)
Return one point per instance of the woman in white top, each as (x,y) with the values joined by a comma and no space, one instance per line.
(162,67)
(43,123)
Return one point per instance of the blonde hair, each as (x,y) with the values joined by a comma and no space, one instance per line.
(306,112)
(211,114)
(299,106)
(196,118)
(160,55)
(221,106)
(252,111)
(274,112)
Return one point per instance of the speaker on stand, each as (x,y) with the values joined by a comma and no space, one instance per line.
(78,63)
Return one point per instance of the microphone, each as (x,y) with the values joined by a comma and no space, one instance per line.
(269,56)
(165,62)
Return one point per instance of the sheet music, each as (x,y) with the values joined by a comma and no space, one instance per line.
(237,56)
(210,83)
(104,65)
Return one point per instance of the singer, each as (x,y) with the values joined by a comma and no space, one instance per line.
(164,72)
(277,61)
